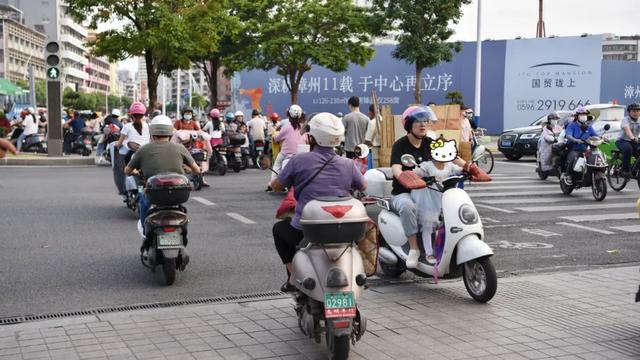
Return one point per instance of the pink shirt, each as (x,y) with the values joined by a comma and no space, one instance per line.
(290,139)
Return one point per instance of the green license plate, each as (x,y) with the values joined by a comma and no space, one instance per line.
(339,305)
(170,239)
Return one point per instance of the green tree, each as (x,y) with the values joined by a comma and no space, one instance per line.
(198,101)
(152,29)
(41,93)
(86,101)
(70,98)
(126,103)
(455,97)
(114,102)
(23,84)
(293,35)
(423,29)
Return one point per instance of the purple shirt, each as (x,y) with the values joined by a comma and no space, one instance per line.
(338,178)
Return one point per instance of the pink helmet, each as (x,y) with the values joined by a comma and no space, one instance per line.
(215,113)
(137,108)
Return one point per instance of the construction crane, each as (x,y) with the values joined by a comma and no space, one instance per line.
(540,31)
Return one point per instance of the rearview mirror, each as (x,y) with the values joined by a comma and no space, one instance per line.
(607,127)
(361,151)
(408,160)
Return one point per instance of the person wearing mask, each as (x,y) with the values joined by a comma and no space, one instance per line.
(629,140)
(156,157)
(314,174)
(372,137)
(186,122)
(75,126)
(416,143)
(355,127)
(576,134)
(550,132)
(290,136)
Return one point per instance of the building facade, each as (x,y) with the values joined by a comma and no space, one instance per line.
(624,48)
(20,47)
(98,71)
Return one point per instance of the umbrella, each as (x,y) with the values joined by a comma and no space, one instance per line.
(8,88)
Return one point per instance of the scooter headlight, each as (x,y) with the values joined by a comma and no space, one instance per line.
(468,215)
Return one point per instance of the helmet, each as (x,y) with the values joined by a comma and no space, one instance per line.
(295,111)
(229,116)
(238,113)
(417,113)
(553,116)
(255,112)
(214,113)
(326,129)
(161,125)
(581,110)
(157,112)
(31,110)
(274,117)
(339,114)
(137,108)
(116,112)
(633,106)
(186,109)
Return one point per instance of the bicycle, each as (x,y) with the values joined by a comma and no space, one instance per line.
(614,170)
(482,156)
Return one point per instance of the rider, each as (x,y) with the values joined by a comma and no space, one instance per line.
(214,127)
(111,125)
(159,156)
(257,129)
(29,124)
(550,132)
(314,174)
(290,136)
(229,124)
(75,126)
(576,134)
(629,137)
(186,122)
(416,143)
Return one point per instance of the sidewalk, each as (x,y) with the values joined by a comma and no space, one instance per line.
(29,159)
(573,315)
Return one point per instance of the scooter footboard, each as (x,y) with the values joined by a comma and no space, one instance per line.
(471,247)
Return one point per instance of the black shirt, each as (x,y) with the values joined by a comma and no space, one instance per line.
(403,146)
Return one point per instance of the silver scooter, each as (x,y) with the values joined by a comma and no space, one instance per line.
(328,273)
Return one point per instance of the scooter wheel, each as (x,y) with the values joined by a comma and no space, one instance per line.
(391,271)
(542,175)
(169,271)
(237,167)
(338,345)
(221,169)
(599,189)
(480,279)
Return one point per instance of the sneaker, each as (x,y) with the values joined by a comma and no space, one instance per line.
(431,260)
(412,259)
(268,189)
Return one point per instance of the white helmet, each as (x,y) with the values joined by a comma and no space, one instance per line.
(116,112)
(161,125)
(239,113)
(326,129)
(295,111)
(31,110)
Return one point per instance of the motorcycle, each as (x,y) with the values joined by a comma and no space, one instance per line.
(589,170)
(111,134)
(218,159)
(464,253)
(328,273)
(34,143)
(259,147)
(82,143)
(558,156)
(133,187)
(165,227)
(234,152)
(198,145)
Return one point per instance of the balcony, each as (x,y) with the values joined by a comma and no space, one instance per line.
(75,73)
(73,41)
(74,58)
(66,21)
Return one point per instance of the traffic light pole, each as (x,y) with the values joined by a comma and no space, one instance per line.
(54,109)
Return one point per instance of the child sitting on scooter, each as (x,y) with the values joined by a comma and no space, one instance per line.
(429,201)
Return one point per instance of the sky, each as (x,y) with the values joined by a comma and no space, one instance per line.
(507,19)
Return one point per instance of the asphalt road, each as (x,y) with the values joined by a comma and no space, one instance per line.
(69,243)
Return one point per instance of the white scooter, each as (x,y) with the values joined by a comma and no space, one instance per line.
(465,253)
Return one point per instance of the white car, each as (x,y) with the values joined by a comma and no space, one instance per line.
(603,114)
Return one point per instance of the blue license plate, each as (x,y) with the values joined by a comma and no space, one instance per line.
(506,143)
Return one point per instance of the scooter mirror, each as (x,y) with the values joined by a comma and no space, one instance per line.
(607,127)
(361,151)
(408,160)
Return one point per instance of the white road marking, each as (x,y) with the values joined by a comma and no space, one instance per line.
(601,217)
(495,209)
(533,182)
(490,220)
(519,245)
(203,201)
(241,218)
(500,187)
(515,193)
(597,206)
(586,228)
(537,200)
(629,229)
(541,232)
(516,163)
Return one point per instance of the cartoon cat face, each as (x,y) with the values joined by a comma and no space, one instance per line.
(444,151)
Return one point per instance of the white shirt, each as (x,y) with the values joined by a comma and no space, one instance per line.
(215,134)
(131,134)
(256,128)
(30,125)
(370,130)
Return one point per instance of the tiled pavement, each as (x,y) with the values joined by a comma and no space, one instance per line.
(571,315)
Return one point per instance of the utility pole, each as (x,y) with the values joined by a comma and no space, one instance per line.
(32,87)
(178,97)
(540,30)
(164,95)
(478,83)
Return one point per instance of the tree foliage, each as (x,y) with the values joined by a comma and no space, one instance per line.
(455,97)
(423,30)
(293,35)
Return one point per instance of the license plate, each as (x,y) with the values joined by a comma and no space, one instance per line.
(170,239)
(506,143)
(339,305)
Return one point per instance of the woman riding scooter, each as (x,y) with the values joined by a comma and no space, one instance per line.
(576,134)
(550,132)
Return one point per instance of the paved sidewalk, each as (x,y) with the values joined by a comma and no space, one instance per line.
(572,315)
(28,159)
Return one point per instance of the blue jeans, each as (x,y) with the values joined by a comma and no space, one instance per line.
(627,148)
(19,141)
(405,207)
(143,207)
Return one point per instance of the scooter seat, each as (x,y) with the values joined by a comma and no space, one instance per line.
(388,174)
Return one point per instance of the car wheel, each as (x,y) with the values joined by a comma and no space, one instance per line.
(513,157)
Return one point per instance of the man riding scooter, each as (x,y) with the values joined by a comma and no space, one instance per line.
(416,143)
(576,134)
(629,141)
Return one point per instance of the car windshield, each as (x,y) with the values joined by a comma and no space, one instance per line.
(563,115)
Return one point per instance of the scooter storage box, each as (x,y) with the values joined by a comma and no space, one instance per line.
(168,189)
(237,140)
(379,182)
(332,220)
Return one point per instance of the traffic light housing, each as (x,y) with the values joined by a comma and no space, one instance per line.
(52,58)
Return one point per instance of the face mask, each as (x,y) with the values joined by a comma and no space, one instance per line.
(187,117)
(553,122)
(469,116)
(582,118)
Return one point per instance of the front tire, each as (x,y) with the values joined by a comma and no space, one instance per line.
(542,175)
(169,271)
(391,271)
(480,279)
(614,178)
(485,161)
(599,188)
(237,167)
(338,346)
(566,189)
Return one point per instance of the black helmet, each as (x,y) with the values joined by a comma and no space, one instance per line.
(255,112)
(553,116)
(186,109)
(633,106)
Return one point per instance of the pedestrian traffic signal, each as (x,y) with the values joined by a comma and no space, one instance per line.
(52,58)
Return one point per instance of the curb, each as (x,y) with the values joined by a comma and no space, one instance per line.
(47,161)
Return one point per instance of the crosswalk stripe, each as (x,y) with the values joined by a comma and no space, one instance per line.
(500,187)
(515,193)
(586,228)
(629,229)
(597,206)
(495,209)
(537,200)
(534,182)
(241,218)
(516,163)
(203,201)
(601,217)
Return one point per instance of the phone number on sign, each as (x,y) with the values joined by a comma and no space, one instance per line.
(524,105)
(364,100)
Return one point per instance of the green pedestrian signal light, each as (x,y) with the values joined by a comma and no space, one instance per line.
(53,73)
(52,59)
